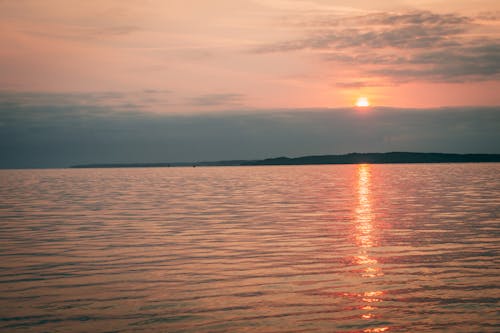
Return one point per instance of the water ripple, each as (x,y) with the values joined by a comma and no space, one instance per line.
(347,248)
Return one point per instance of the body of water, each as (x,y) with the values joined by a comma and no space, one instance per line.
(334,248)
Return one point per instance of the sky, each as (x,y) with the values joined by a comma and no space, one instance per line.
(190,80)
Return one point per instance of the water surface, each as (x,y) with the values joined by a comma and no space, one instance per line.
(346,248)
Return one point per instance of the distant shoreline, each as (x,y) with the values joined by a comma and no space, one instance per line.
(351,158)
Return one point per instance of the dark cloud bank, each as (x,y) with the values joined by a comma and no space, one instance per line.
(63,134)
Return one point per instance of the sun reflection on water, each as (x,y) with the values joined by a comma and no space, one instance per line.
(364,215)
(365,239)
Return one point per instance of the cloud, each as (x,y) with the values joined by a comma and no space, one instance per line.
(489,16)
(59,135)
(408,46)
(216,99)
(449,65)
(354,84)
(379,30)
(83,33)
(146,99)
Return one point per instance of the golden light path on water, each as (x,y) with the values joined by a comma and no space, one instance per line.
(365,240)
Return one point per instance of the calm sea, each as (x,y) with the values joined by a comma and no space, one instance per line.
(346,248)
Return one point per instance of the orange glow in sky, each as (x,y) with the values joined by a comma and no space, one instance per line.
(204,56)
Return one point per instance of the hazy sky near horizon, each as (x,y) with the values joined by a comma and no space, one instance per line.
(75,71)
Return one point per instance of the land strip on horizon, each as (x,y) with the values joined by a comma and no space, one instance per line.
(351,158)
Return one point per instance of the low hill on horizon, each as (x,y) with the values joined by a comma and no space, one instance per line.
(380,158)
(351,158)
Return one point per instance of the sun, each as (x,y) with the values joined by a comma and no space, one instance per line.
(362,102)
